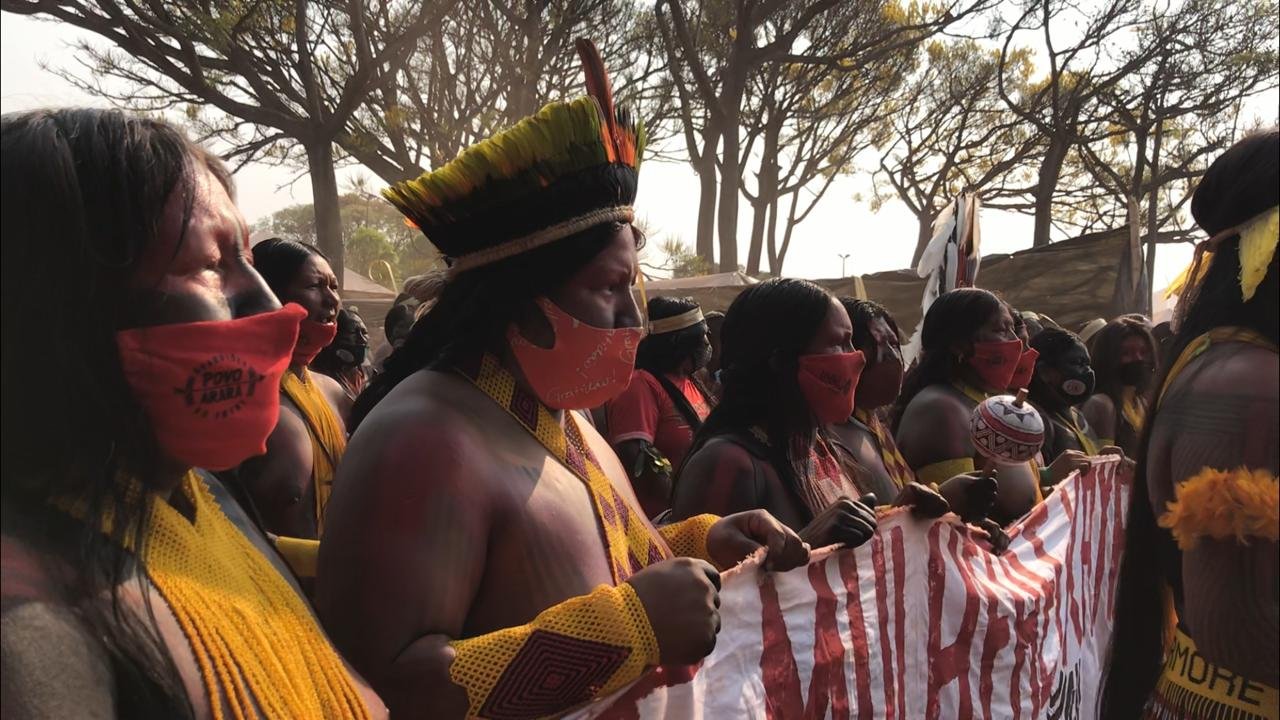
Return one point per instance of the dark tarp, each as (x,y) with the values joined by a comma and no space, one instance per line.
(1072,281)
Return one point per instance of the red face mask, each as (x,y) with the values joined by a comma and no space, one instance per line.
(880,384)
(585,368)
(211,389)
(995,362)
(312,338)
(829,383)
(1025,369)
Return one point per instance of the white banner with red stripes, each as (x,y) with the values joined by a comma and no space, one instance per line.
(923,621)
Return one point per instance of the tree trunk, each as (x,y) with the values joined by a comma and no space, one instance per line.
(706,243)
(324,195)
(1153,220)
(1050,171)
(924,233)
(727,216)
(758,210)
(775,264)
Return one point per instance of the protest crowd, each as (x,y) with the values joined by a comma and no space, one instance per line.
(218,501)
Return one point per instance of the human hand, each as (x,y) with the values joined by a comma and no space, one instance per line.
(1065,464)
(681,596)
(971,495)
(845,521)
(736,536)
(1125,461)
(999,539)
(924,501)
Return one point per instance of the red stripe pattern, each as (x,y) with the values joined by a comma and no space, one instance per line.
(920,622)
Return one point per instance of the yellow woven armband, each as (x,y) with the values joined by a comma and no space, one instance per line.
(1224,505)
(301,554)
(942,471)
(688,538)
(585,647)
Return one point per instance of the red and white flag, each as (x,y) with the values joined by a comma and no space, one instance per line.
(920,622)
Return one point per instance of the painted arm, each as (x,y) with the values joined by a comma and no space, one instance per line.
(721,478)
(402,560)
(1219,498)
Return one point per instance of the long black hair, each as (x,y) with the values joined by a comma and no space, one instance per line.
(1104,351)
(474,309)
(660,354)
(955,317)
(861,313)
(767,328)
(1242,183)
(85,191)
(278,261)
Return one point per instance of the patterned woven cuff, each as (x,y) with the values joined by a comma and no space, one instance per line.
(585,647)
(688,538)
(1224,505)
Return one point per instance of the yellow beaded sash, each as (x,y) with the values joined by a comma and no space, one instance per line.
(630,544)
(1133,408)
(259,649)
(328,441)
(896,465)
(1072,421)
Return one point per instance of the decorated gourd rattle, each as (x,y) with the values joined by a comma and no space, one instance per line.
(1005,428)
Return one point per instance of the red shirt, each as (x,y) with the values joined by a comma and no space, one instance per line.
(644,411)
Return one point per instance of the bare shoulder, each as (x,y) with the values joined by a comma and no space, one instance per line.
(938,404)
(1234,369)
(52,664)
(426,433)
(935,427)
(722,453)
(722,477)
(333,392)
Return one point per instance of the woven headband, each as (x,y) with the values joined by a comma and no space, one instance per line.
(559,231)
(689,318)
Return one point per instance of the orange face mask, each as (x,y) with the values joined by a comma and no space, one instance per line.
(312,338)
(585,368)
(996,362)
(1025,369)
(829,383)
(211,389)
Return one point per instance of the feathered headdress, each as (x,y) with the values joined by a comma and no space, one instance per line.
(1259,237)
(572,166)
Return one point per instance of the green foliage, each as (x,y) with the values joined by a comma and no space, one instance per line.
(372,230)
(682,261)
(368,245)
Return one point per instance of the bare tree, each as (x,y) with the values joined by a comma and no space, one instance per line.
(804,124)
(1171,114)
(280,74)
(745,37)
(488,64)
(950,132)
(1063,106)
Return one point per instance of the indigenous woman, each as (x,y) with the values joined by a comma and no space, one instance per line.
(133,585)
(789,371)
(651,424)
(865,434)
(291,483)
(480,525)
(346,359)
(1062,381)
(1124,359)
(1199,592)
(970,351)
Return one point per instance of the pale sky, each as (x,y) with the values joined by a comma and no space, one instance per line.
(668,197)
